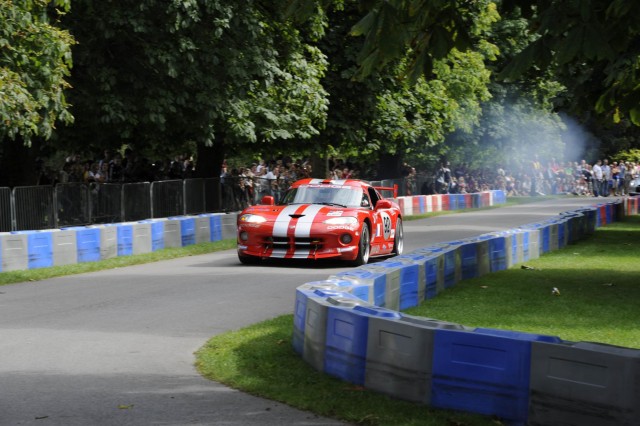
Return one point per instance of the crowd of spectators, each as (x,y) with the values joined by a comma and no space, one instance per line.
(242,186)
(113,167)
(600,179)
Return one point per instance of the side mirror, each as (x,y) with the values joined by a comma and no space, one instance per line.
(268,200)
(383,204)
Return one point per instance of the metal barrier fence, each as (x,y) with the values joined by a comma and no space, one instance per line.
(36,207)
(106,203)
(77,204)
(5,210)
(136,201)
(73,206)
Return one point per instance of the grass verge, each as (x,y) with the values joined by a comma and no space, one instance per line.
(597,279)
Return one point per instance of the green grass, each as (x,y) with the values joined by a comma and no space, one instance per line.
(598,301)
(599,290)
(11,277)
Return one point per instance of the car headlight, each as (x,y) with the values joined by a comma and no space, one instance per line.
(348,220)
(252,218)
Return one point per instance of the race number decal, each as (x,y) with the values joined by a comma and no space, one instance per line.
(386,225)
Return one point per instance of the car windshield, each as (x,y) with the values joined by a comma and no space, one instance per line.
(342,196)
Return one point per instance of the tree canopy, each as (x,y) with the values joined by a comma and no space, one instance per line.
(151,74)
(381,80)
(34,62)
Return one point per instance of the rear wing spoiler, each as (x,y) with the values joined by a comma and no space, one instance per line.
(388,189)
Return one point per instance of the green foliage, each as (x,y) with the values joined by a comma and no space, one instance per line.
(154,74)
(380,112)
(35,60)
(591,47)
(630,155)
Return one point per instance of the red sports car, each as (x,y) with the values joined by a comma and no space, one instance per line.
(317,219)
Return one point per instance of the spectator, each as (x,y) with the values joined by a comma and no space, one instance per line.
(598,178)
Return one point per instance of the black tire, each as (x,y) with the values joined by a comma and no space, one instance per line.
(249,260)
(364,247)
(398,242)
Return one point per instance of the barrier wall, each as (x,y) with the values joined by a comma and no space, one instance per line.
(421,204)
(39,249)
(521,378)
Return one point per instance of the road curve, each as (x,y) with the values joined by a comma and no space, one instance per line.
(116,347)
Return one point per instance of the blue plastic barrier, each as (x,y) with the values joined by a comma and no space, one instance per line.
(469,260)
(409,281)
(125,239)
(157,235)
(39,249)
(375,280)
(346,344)
(187,229)
(216,227)
(88,243)
(451,256)
(498,252)
(485,371)
(303,293)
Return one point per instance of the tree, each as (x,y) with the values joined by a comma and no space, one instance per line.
(35,61)
(154,75)
(592,46)
(520,119)
(381,116)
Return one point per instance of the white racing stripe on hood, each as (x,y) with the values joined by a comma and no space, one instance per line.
(283,220)
(338,182)
(303,228)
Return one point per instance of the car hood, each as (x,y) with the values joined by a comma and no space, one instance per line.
(298,216)
(304,212)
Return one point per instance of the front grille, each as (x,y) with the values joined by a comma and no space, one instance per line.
(289,243)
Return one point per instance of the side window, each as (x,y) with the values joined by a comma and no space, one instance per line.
(365,200)
(373,194)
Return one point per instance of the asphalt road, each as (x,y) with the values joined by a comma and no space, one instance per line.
(116,347)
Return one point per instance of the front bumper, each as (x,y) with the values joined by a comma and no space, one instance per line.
(330,244)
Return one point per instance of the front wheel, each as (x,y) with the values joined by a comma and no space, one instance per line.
(398,241)
(364,247)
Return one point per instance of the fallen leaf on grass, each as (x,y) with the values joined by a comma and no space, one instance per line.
(484,286)
(355,388)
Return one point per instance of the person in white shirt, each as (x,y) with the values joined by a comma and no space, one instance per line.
(596,170)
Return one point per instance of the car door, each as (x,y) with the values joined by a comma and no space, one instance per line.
(382,226)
